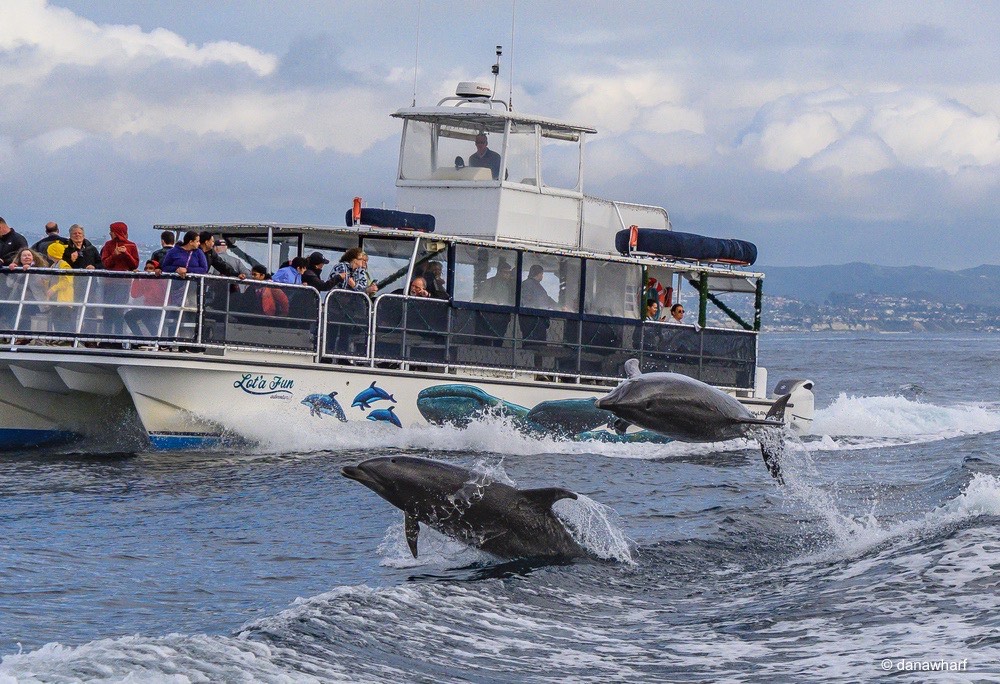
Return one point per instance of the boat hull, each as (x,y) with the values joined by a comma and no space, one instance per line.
(186,401)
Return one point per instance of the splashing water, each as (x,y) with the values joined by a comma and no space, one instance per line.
(596,527)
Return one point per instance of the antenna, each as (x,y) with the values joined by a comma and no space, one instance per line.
(510,96)
(496,67)
(416,54)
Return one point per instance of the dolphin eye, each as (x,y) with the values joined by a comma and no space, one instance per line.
(392,460)
(649,405)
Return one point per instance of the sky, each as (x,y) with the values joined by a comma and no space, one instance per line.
(823,132)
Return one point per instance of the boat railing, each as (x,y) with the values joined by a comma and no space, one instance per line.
(212,312)
(558,345)
(346,321)
(81,307)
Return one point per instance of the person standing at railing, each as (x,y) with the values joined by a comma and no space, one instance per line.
(61,291)
(313,275)
(51,235)
(80,253)
(37,290)
(271,301)
(11,242)
(215,260)
(146,291)
(293,272)
(352,272)
(186,257)
(118,254)
(166,242)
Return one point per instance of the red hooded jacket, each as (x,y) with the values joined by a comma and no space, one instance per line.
(127,260)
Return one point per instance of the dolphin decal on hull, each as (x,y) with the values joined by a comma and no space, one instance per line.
(370,395)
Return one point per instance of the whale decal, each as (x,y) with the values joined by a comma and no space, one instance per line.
(576,419)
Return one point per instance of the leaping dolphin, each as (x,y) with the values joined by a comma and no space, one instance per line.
(689,410)
(491,516)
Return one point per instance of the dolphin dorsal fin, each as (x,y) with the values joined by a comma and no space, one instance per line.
(632,368)
(412,528)
(546,496)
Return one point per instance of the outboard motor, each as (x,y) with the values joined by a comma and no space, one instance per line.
(801,405)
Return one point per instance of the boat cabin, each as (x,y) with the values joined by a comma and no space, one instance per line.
(532,195)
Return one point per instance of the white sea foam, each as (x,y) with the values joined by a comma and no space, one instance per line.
(856,534)
(901,418)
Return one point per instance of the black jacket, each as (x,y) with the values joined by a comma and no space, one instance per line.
(10,244)
(219,264)
(87,256)
(42,246)
(312,278)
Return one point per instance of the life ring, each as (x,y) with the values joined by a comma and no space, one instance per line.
(655,292)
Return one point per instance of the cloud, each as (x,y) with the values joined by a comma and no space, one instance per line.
(60,72)
(863,134)
(44,37)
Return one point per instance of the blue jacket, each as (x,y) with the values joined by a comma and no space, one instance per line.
(194,261)
(288,275)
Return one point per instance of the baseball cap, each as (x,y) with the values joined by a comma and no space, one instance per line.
(317,258)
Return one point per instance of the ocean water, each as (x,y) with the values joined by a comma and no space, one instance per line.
(881,553)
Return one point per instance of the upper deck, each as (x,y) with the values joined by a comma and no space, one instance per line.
(533,193)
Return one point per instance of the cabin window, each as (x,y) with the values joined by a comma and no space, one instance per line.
(485,275)
(560,159)
(521,147)
(330,245)
(249,249)
(443,152)
(388,262)
(415,160)
(612,289)
(432,265)
(550,282)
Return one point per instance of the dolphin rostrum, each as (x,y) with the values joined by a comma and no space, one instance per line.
(689,410)
(460,503)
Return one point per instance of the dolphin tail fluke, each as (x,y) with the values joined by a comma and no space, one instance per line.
(772,444)
(412,528)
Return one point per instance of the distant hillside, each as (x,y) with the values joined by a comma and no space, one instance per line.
(979,285)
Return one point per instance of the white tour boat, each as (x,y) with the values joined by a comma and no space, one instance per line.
(545,292)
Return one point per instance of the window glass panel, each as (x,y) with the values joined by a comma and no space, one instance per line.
(388,261)
(432,266)
(416,156)
(249,250)
(551,282)
(485,275)
(560,161)
(451,158)
(521,154)
(331,245)
(613,289)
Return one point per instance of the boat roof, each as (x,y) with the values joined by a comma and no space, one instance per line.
(725,271)
(491,120)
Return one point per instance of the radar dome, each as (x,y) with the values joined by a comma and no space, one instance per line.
(474,89)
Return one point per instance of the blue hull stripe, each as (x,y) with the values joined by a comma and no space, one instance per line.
(165,441)
(19,438)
